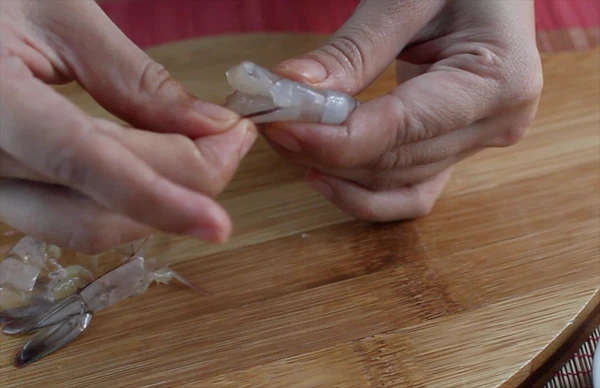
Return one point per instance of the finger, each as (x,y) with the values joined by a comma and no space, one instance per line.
(72,152)
(64,217)
(19,41)
(125,80)
(15,51)
(206,164)
(322,146)
(396,179)
(441,101)
(405,203)
(364,46)
(12,168)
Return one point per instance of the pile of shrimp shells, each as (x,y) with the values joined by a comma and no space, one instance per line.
(33,269)
(38,282)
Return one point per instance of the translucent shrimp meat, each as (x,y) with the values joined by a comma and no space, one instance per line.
(265,97)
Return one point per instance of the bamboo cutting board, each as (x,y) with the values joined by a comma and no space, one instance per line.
(478,294)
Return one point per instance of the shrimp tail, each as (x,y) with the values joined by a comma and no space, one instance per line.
(52,338)
(37,307)
(52,314)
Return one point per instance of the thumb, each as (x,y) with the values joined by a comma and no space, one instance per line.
(125,80)
(363,47)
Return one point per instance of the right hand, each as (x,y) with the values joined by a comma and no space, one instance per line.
(90,184)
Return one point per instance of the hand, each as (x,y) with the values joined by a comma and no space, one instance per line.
(90,184)
(468,77)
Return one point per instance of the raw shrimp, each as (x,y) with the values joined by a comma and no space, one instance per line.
(266,97)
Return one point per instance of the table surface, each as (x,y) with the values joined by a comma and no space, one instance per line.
(478,294)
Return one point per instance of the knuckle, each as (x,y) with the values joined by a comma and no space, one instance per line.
(63,169)
(523,75)
(403,158)
(423,206)
(394,159)
(216,168)
(153,79)
(526,89)
(486,57)
(348,52)
(208,166)
(367,211)
(387,161)
(534,85)
(513,134)
(523,96)
(516,130)
(409,129)
(62,162)
(425,200)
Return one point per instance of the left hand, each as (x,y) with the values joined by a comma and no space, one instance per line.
(90,184)
(470,78)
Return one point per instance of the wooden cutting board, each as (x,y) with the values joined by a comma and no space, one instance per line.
(478,294)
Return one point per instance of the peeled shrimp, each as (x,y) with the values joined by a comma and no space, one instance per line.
(266,97)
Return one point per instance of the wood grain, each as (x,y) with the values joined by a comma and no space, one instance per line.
(478,294)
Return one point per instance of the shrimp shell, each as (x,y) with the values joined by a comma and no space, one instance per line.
(265,97)
(59,322)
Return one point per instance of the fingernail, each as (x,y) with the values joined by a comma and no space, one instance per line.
(249,137)
(310,70)
(214,112)
(284,139)
(322,188)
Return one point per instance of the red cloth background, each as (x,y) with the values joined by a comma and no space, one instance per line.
(151,22)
